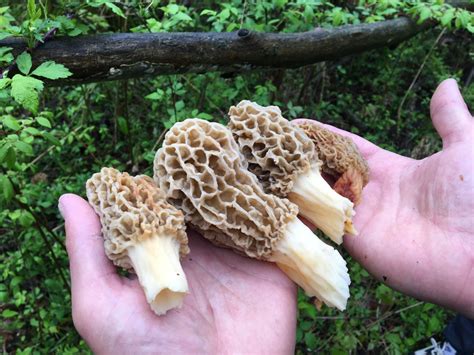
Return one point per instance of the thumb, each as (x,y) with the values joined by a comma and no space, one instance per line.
(85,245)
(450,114)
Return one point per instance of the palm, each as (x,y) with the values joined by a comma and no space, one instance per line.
(234,302)
(416,230)
(413,214)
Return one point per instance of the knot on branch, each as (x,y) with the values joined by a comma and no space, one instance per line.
(243,33)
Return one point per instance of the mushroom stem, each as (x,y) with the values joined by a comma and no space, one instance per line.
(315,266)
(156,262)
(322,206)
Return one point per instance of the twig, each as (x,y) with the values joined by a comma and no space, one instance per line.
(323,80)
(58,227)
(327,341)
(244,13)
(469,78)
(389,314)
(45,240)
(305,84)
(207,99)
(160,139)
(127,119)
(399,111)
(173,96)
(43,222)
(331,317)
(41,155)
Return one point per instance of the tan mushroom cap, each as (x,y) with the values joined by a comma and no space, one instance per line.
(340,158)
(203,173)
(277,152)
(131,210)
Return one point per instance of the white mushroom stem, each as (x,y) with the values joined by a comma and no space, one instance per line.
(322,206)
(315,266)
(156,262)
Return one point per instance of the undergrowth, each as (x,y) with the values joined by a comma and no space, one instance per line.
(52,148)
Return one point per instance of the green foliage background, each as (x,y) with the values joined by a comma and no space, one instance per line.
(52,146)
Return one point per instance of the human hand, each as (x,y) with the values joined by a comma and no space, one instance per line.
(235,304)
(416,217)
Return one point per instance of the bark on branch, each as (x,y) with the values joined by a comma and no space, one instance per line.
(131,55)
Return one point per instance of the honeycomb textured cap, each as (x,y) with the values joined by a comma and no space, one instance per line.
(202,172)
(338,153)
(277,152)
(132,209)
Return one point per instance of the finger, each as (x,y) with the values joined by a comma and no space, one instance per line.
(85,246)
(450,114)
(366,148)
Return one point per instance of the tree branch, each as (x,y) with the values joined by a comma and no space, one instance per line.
(131,55)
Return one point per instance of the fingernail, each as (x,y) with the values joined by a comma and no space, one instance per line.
(62,206)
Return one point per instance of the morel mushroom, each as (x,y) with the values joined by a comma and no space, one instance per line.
(285,161)
(203,173)
(341,159)
(142,231)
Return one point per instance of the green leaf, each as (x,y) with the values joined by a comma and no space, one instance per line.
(306,325)
(465,17)
(4,53)
(3,151)
(26,219)
(43,121)
(205,116)
(8,313)
(172,9)
(74,32)
(52,139)
(447,17)
(182,17)
(10,157)
(31,130)
(52,70)
(280,3)
(25,91)
(4,35)
(24,147)
(11,123)
(224,15)
(425,13)
(154,96)
(4,83)
(7,187)
(115,9)
(123,126)
(208,12)
(310,340)
(458,23)
(23,61)
(434,324)
(31,8)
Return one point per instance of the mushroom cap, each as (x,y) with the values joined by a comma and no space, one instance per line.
(277,152)
(338,154)
(203,173)
(131,209)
